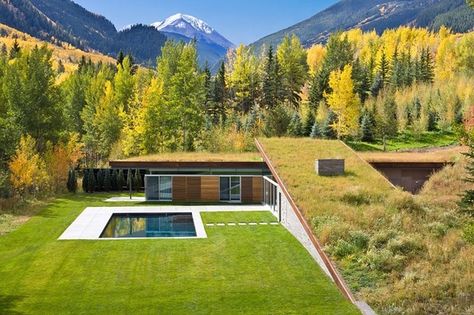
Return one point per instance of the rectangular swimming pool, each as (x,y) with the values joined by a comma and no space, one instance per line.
(143,225)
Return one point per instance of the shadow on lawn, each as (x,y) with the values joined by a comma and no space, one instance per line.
(8,304)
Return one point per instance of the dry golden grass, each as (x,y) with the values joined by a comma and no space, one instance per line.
(449,154)
(403,254)
(68,54)
(198,157)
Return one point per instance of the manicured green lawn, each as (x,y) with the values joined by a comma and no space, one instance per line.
(236,270)
(408,140)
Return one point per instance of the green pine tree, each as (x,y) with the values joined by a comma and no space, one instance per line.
(315,131)
(107,180)
(91,182)
(308,123)
(15,51)
(120,180)
(99,184)
(367,127)
(295,128)
(72,181)
(326,130)
(137,180)
(85,178)
(114,180)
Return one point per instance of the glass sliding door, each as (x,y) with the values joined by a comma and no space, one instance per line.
(225,188)
(152,190)
(230,188)
(235,188)
(166,192)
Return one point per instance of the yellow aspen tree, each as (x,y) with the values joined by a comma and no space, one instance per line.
(315,58)
(27,169)
(344,102)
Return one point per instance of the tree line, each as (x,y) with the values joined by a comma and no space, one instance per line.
(359,86)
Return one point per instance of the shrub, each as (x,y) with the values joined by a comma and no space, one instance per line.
(72,181)
(359,239)
(90,181)
(384,260)
(405,245)
(107,180)
(468,232)
(85,178)
(381,238)
(342,249)
(120,180)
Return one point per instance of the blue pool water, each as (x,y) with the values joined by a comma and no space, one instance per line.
(127,225)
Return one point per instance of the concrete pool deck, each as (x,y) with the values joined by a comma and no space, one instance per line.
(92,221)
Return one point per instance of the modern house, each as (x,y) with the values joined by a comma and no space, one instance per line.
(202,178)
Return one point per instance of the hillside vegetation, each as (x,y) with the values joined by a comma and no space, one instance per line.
(67,54)
(377,15)
(403,254)
(64,21)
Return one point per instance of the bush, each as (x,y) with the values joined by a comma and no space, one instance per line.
(405,245)
(72,181)
(85,183)
(359,239)
(107,180)
(384,260)
(342,249)
(468,233)
(381,238)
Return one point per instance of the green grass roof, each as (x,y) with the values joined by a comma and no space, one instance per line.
(198,157)
(294,161)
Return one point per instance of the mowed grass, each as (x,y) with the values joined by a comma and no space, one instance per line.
(238,217)
(236,270)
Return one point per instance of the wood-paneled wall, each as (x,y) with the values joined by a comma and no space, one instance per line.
(206,189)
(210,188)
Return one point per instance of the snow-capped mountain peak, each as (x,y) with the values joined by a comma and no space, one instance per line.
(193,28)
(179,20)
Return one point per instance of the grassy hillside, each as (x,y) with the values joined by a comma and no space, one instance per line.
(402,254)
(69,55)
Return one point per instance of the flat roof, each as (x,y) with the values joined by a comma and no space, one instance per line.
(193,160)
(197,157)
(294,161)
(435,155)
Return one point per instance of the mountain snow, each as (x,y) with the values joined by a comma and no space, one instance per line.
(179,20)
(192,27)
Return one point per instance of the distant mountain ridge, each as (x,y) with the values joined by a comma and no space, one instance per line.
(192,27)
(65,21)
(212,46)
(377,15)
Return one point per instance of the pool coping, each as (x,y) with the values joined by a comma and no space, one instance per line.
(92,220)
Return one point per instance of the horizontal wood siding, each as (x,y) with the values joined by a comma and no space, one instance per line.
(210,188)
(257,189)
(246,189)
(193,188)
(179,188)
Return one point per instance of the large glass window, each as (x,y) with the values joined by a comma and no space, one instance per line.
(230,188)
(166,192)
(152,190)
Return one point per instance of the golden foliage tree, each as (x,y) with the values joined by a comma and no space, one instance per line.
(344,102)
(315,58)
(27,169)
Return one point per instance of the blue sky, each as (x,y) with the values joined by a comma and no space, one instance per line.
(241,21)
